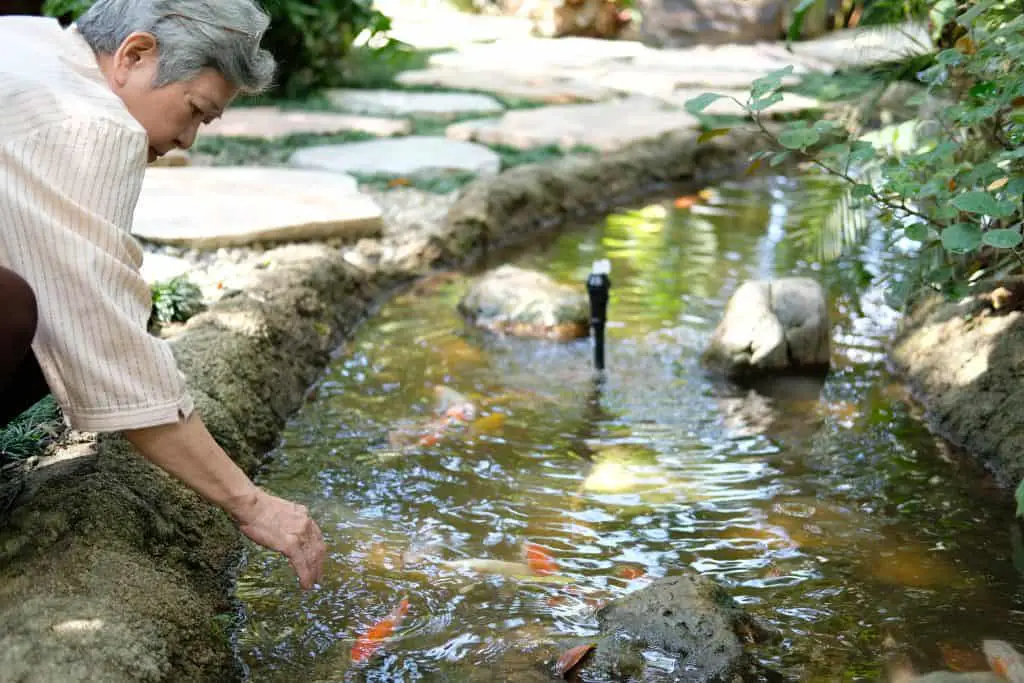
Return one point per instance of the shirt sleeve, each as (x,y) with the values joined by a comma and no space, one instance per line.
(68,192)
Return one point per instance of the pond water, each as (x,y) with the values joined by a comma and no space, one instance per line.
(829,511)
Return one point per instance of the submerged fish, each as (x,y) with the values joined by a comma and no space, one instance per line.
(538,559)
(373,639)
(513,570)
(1004,660)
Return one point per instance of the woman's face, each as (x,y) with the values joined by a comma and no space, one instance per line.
(171,114)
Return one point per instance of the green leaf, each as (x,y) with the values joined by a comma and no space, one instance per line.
(949,57)
(762,103)
(769,82)
(1019,495)
(862,151)
(961,237)
(796,26)
(860,191)
(940,275)
(1003,239)
(798,138)
(1015,187)
(983,203)
(919,232)
(969,17)
(701,102)
(778,158)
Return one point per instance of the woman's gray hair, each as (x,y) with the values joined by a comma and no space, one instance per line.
(192,34)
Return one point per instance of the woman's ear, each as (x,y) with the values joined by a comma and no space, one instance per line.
(135,52)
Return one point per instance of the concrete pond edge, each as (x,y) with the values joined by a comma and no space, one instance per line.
(111,570)
(961,361)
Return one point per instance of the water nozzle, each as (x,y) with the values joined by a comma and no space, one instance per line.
(598,284)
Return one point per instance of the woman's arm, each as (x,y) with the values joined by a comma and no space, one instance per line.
(187,451)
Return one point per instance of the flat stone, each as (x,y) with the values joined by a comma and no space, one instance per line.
(408,103)
(209,207)
(551,89)
(604,125)
(400,157)
(867,45)
(273,122)
(539,54)
(158,267)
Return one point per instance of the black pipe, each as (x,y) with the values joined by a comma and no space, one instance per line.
(598,284)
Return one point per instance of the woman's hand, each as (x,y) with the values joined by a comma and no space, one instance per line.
(286,527)
(188,451)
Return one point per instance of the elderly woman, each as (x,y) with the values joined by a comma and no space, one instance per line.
(85,108)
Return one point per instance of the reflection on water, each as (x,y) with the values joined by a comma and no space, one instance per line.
(828,511)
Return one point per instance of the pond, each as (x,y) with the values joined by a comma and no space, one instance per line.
(829,512)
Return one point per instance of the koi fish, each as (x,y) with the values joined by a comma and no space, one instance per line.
(373,639)
(1005,661)
(538,559)
(513,570)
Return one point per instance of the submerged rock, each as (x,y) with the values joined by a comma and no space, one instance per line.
(526,303)
(772,326)
(687,618)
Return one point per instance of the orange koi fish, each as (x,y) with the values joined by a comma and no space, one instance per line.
(538,559)
(373,639)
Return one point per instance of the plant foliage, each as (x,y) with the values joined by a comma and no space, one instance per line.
(175,301)
(950,182)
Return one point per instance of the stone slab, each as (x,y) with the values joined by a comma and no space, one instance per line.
(400,157)
(273,122)
(603,125)
(551,89)
(867,45)
(158,267)
(536,54)
(409,103)
(208,207)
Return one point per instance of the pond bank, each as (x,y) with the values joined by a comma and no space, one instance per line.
(112,571)
(962,361)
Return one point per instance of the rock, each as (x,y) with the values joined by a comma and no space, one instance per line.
(772,326)
(161,267)
(525,303)
(408,103)
(535,56)
(605,125)
(551,89)
(676,23)
(687,617)
(271,123)
(208,207)
(866,45)
(400,156)
(589,18)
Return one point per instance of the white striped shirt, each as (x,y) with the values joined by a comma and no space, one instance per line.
(72,160)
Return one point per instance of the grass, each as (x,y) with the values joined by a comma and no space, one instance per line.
(30,433)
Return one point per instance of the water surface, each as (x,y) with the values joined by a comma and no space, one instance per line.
(828,511)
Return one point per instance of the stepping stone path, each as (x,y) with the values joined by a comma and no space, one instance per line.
(419,104)
(537,87)
(400,157)
(273,122)
(208,207)
(603,125)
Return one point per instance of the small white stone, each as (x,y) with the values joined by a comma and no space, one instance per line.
(408,103)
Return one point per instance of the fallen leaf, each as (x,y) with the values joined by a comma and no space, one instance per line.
(996,184)
(951,185)
(398,182)
(572,657)
(630,573)
(712,134)
(685,202)
(966,46)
